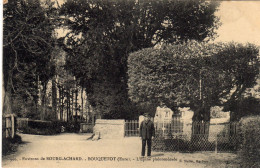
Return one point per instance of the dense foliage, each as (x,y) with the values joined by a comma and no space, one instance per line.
(249,141)
(246,106)
(27,38)
(103,33)
(198,75)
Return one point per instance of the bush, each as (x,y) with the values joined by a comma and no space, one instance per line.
(244,107)
(71,126)
(37,131)
(38,127)
(249,137)
(42,127)
(10,144)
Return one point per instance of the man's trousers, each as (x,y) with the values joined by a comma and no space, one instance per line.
(149,144)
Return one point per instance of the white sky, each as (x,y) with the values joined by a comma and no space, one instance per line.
(240,21)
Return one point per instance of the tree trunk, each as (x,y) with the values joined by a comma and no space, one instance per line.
(37,97)
(72,104)
(59,109)
(54,98)
(43,111)
(7,106)
(62,103)
(200,128)
(68,101)
(69,117)
(82,103)
(88,111)
(76,104)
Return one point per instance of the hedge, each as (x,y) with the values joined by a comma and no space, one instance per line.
(39,127)
(175,73)
(249,137)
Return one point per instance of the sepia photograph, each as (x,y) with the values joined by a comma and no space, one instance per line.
(130,83)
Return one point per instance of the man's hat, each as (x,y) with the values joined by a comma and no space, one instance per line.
(147,115)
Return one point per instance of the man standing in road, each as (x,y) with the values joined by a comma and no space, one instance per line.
(147,133)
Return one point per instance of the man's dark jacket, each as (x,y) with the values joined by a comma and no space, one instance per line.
(147,130)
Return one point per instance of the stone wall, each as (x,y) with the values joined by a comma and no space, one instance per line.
(109,129)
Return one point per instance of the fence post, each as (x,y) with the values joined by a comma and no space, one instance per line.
(128,133)
(125,127)
(131,127)
(13,125)
(7,123)
(136,127)
(216,142)
(163,128)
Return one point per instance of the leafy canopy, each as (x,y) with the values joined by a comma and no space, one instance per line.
(103,33)
(28,42)
(192,74)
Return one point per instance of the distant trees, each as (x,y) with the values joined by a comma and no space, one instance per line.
(32,60)
(103,33)
(66,91)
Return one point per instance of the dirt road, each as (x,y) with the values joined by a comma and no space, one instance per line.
(74,150)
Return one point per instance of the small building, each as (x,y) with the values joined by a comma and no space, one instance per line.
(167,122)
(163,114)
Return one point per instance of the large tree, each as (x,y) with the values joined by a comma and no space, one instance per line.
(193,74)
(28,43)
(103,33)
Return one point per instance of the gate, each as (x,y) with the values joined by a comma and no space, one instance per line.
(169,128)
(131,128)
